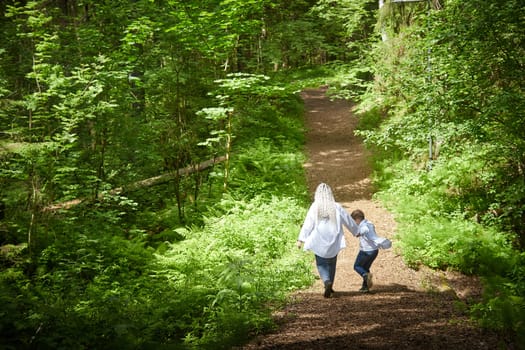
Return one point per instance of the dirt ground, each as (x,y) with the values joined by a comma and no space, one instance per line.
(406,309)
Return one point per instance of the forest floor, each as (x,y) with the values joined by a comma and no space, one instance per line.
(406,308)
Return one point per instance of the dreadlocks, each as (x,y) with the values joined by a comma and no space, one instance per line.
(325,202)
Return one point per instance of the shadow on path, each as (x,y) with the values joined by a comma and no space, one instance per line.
(399,313)
(391,317)
(335,155)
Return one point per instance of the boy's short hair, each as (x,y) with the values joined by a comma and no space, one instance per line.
(358,214)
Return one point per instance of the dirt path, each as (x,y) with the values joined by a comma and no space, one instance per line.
(406,309)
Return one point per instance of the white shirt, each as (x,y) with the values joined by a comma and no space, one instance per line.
(325,240)
(368,238)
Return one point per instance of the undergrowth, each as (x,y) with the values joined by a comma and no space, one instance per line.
(438,225)
(126,272)
(240,262)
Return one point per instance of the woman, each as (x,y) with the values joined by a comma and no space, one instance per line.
(322,233)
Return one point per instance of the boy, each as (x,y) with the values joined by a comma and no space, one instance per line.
(369,244)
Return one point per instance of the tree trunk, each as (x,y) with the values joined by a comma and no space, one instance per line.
(152,181)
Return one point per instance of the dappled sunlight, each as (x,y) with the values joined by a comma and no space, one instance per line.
(393,316)
(406,309)
(335,155)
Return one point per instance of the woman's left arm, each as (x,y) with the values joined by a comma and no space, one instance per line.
(347,220)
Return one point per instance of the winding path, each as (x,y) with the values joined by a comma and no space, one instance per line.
(407,309)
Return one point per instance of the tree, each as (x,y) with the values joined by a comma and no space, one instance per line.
(451,74)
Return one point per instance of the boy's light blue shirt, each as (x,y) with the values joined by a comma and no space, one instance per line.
(368,238)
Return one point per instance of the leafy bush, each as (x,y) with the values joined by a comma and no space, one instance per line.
(274,171)
(503,307)
(208,291)
(435,228)
(126,272)
(240,261)
(451,144)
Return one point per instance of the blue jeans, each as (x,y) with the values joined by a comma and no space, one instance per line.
(326,268)
(364,260)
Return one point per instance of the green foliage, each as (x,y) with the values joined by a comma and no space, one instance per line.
(95,96)
(80,288)
(444,119)
(239,260)
(503,307)
(276,170)
(433,230)
(185,265)
(92,280)
(430,89)
(93,288)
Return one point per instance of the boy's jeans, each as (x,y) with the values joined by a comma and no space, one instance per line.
(364,260)
(326,268)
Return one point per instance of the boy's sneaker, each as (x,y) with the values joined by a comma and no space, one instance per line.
(328,289)
(364,289)
(368,279)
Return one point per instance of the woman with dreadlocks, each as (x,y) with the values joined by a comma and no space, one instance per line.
(322,233)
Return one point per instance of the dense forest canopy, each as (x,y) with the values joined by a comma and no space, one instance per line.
(136,135)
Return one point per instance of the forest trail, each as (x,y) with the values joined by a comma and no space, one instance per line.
(406,309)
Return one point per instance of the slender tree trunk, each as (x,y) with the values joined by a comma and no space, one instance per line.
(228,150)
(198,182)
(178,196)
(101,173)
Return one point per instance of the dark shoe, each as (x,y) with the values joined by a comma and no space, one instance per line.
(364,286)
(369,281)
(328,290)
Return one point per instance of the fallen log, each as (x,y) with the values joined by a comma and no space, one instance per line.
(152,181)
